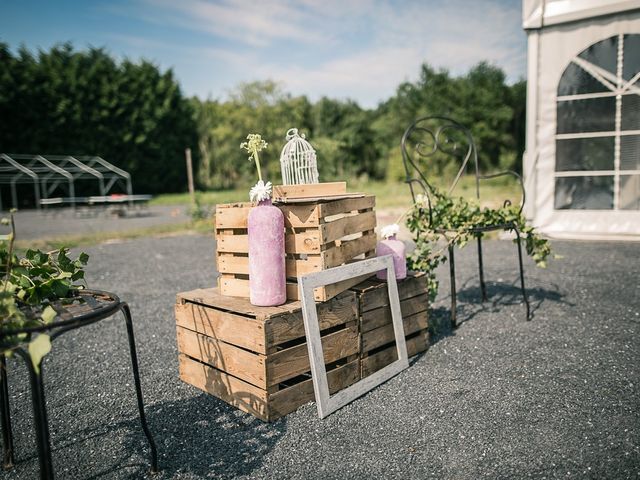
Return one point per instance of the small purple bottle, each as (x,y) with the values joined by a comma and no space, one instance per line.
(267,281)
(390,245)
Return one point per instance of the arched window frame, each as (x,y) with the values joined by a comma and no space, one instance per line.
(616,86)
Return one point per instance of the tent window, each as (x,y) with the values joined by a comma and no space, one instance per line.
(592,193)
(584,154)
(598,128)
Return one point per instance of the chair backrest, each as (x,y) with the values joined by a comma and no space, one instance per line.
(442,141)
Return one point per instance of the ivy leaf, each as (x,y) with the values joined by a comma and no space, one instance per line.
(48,314)
(38,349)
(84,258)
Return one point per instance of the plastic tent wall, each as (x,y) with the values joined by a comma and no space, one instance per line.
(558,31)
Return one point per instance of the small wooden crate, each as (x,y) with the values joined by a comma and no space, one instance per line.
(378,348)
(319,235)
(255,358)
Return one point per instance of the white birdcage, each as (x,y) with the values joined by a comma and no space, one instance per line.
(298,160)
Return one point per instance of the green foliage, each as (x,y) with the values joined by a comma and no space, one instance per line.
(480,100)
(451,218)
(29,286)
(85,103)
(134,115)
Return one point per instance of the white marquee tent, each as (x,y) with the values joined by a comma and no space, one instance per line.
(582,159)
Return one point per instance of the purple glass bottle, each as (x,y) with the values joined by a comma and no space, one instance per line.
(395,247)
(267,282)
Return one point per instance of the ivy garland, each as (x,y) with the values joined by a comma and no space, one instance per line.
(451,219)
(29,287)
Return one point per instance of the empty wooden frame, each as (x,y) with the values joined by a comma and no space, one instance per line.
(326,403)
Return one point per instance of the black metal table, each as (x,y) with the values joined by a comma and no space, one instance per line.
(90,307)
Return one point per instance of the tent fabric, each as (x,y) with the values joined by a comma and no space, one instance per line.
(539,13)
(551,50)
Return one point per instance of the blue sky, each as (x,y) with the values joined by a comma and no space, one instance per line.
(357,49)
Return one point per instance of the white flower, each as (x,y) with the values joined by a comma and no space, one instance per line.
(422,200)
(260,191)
(390,230)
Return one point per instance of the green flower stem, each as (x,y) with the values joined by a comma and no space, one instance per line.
(257,159)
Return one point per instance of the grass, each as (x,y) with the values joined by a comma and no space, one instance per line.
(388,194)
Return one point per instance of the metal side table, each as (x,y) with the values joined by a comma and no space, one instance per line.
(91,307)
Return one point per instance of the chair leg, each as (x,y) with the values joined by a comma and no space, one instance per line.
(524,291)
(136,377)
(483,287)
(452,274)
(40,419)
(5,415)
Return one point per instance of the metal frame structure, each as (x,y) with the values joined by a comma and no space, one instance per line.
(434,135)
(50,172)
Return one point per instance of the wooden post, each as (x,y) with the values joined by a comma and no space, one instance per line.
(192,193)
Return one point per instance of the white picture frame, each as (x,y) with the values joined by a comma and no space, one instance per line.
(325,402)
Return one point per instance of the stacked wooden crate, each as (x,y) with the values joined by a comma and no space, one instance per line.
(378,348)
(255,358)
(320,234)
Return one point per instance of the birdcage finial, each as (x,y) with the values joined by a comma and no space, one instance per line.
(298,160)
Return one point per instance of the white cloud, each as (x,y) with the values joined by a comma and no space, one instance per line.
(244,21)
(360,49)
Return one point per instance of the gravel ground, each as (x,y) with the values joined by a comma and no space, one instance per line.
(33,224)
(499,397)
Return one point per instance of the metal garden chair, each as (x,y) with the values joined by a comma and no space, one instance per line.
(442,140)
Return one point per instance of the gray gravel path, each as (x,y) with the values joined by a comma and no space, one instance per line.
(33,224)
(499,397)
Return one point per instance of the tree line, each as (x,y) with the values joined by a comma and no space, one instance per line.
(134,115)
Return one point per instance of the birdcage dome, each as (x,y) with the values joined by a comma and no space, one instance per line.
(298,160)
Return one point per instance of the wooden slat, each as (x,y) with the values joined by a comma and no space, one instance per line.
(239,287)
(329,209)
(212,297)
(309,190)
(323,294)
(236,361)
(300,215)
(302,242)
(332,231)
(378,360)
(233,264)
(378,317)
(235,329)
(339,254)
(253,400)
(294,268)
(342,309)
(297,267)
(229,216)
(377,296)
(289,399)
(232,243)
(383,335)
(294,361)
(234,391)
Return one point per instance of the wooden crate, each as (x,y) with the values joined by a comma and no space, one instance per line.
(378,348)
(319,235)
(255,358)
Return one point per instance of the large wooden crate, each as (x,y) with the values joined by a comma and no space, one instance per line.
(255,358)
(378,347)
(319,235)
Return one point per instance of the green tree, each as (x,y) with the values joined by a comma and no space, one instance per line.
(85,103)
